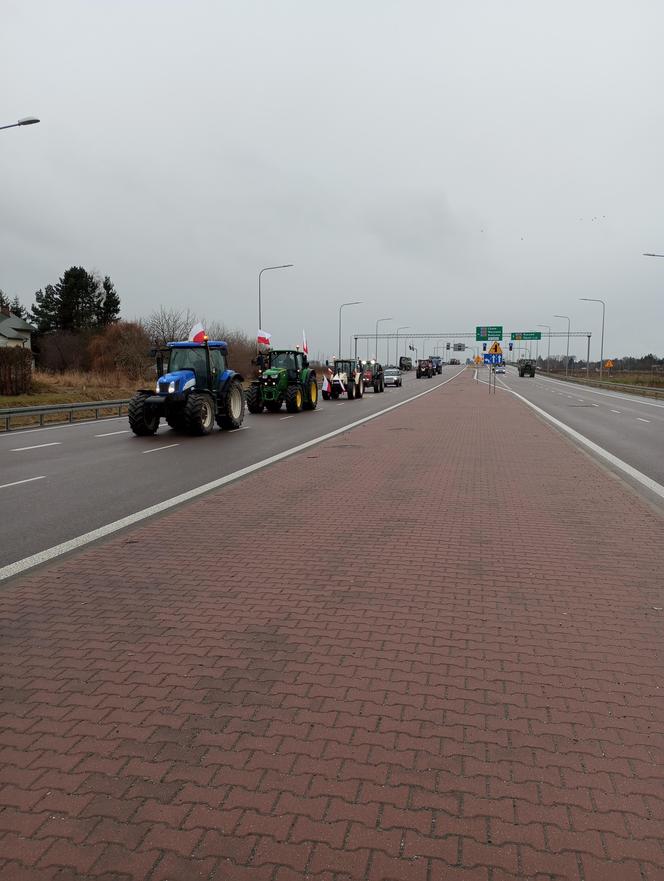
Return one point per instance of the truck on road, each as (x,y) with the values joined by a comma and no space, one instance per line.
(526,367)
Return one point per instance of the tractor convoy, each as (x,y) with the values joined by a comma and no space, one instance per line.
(195,387)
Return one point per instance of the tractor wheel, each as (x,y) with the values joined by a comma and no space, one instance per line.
(273,406)
(230,414)
(254,402)
(334,393)
(326,396)
(198,414)
(142,420)
(312,402)
(175,421)
(294,398)
(350,389)
(376,387)
(359,389)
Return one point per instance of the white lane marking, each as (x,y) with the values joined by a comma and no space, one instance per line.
(35,447)
(593,405)
(292,416)
(157,449)
(633,398)
(616,411)
(81,540)
(642,420)
(111,433)
(580,399)
(641,478)
(27,480)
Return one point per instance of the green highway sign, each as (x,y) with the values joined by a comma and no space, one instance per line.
(527,335)
(488,332)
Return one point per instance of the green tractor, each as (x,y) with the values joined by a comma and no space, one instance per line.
(284,375)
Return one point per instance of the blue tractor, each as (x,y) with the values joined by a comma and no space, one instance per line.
(196,389)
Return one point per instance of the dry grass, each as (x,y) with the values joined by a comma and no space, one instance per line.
(72,387)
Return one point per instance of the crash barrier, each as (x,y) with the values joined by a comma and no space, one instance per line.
(38,413)
(645,390)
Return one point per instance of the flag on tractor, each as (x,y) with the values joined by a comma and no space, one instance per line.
(263,338)
(305,347)
(197,333)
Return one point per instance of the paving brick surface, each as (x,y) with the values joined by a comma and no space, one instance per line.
(428,649)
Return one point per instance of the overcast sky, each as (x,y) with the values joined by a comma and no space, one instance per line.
(448,163)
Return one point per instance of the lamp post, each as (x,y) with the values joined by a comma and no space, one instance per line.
(27,120)
(396,354)
(548,351)
(352,303)
(378,321)
(601,348)
(265,269)
(569,325)
(653,255)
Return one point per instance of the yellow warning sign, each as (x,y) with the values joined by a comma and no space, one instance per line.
(495,349)
(608,364)
(478,360)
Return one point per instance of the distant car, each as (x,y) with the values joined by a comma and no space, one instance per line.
(500,368)
(393,377)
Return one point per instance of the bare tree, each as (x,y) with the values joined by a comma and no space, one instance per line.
(168,324)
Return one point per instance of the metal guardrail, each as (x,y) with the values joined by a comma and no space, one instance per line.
(645,390)
(6,413)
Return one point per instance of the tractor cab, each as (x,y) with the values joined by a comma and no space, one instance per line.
(289,360)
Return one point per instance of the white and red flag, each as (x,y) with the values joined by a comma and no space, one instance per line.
(263,338)
(197,333)
(305,347)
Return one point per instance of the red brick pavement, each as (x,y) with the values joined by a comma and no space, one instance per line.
(426,650)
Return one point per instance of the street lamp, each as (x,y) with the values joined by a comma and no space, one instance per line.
(27,120)
(548,351)
(265,269)
(569,324)
(601,348)
(352,303)
(396,354)
(653,255)
(378,321)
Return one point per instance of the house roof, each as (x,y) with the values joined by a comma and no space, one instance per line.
(14,328)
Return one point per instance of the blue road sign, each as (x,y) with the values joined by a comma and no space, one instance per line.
(492,359)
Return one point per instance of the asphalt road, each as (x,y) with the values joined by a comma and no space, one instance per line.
(57,483)
(629,427)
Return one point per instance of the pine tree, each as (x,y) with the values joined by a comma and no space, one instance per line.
(110,307)
(18,308)
(44,312)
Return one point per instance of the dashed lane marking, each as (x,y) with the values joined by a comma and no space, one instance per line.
(27,480)
(159,449)
(616,411)
(35,447)
(111,433)
(642,420)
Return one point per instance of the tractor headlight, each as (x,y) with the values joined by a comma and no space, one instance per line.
(171,388)
(157,389)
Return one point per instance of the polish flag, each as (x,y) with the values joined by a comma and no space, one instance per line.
(326,384)
(197,334)
(263,338)
(305,347)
